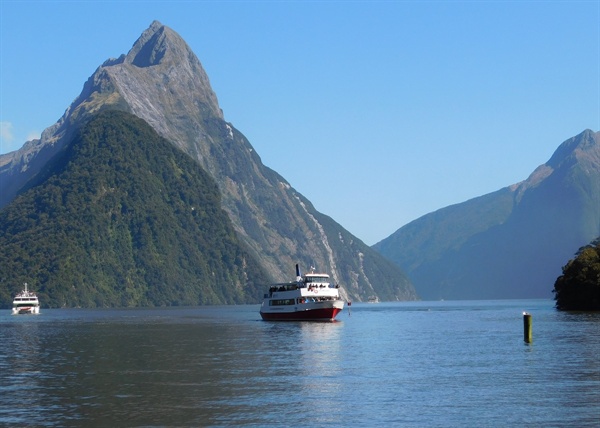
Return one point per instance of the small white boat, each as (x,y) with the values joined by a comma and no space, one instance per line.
(26,302)
(310,298)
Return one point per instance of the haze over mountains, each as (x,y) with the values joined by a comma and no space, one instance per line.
(162,82)
(511,243)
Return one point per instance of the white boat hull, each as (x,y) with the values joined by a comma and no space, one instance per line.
(318,311)
(32,310)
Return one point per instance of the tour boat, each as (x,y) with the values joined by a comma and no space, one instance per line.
(26,302)
(310,298)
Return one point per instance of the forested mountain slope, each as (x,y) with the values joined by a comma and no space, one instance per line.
(120,217)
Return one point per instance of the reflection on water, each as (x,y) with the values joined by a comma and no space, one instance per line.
(407,364)
(20,363)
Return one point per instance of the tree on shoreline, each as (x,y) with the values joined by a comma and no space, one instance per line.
(578,288)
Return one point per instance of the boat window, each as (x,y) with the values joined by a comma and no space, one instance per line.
(283,287)
(316,279)
(282,302)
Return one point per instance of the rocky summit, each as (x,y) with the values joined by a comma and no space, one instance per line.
(161,81)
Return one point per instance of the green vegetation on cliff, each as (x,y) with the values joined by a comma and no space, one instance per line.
(578,288)
(122,218)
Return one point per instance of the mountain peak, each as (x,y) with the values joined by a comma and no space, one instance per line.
(134,83)
(161,59)
(586,144)
(582,150)
(154,44)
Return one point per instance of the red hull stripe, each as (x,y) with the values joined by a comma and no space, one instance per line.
(327,314)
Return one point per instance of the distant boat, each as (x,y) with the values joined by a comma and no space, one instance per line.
(373,299)
(310,298)
(26,302)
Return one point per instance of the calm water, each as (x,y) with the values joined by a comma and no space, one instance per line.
(422,364)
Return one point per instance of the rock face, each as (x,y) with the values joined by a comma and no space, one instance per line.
(511,243)
(161,81)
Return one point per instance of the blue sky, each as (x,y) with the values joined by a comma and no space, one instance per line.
(377,111)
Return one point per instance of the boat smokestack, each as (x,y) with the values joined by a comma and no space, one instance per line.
(298,276)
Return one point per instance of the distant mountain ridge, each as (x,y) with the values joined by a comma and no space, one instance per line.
(511,243)
(161,81)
